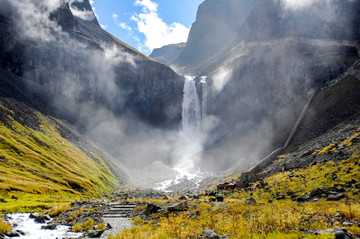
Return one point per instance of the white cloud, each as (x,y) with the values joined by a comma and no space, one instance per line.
(157,32)
(103,26)
(123,25)
(147,5)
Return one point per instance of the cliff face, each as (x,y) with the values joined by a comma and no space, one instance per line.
(167,54)
(336,20)
(71,55)
(260,79)
(216,25)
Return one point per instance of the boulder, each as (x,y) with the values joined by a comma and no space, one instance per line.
(178,207)
(317,193)
(335,197)
(212,199)
(211,234)
(95,233)
(303,199)
(151,208)
(220,198)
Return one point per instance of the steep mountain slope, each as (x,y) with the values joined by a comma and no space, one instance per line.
(64,79)
(43,159)
(167,54)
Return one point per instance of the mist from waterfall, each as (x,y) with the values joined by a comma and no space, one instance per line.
(192,134)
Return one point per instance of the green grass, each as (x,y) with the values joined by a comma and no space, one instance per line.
(41,168)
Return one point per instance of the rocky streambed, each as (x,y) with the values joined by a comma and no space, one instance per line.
(30,226)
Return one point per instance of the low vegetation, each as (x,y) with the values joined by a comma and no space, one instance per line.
(86,226)
(4,227)
(40,168)
(268,208)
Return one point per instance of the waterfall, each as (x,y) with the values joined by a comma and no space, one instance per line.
(191,109)
(191,136)
(203,88)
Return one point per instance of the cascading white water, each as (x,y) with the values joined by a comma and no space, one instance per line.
(203,86)
(192,134)
(191,110)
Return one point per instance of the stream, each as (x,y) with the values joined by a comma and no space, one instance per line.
(32,230)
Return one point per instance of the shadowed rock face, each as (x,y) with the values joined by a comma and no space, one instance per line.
(76,64)
(335,19)
(167,54)
(217,23)
(84,6)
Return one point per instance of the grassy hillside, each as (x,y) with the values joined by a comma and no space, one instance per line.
(39,164)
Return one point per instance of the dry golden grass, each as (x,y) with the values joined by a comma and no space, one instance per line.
(4,227)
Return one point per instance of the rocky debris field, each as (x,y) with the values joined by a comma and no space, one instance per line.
(336,144)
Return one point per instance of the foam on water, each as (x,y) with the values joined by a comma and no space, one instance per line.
(33,230)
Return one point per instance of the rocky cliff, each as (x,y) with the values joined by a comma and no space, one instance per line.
(216,25)
(70,54)
(260,80)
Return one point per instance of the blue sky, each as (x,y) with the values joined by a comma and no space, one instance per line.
(147,24)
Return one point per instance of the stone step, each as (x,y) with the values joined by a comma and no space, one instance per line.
(122,205)
(129,208)
(117,212)
(121,209)
(115,215)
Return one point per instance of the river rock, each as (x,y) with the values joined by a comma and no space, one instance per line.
(12,234)
(40,218)
(49,226)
